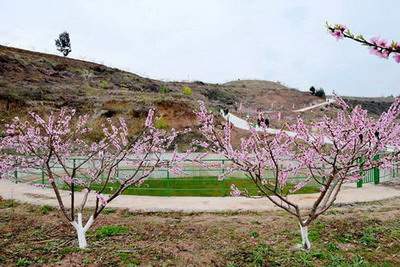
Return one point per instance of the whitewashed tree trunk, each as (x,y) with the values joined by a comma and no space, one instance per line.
(81,230)
(305,242)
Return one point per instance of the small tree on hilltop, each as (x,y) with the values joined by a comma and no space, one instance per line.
(48,142)
(335,153)
(63,43)
(320,93)
(312,90)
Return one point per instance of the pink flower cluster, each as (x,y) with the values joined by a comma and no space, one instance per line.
(235,192)
(102,199)
(383,49)
(338,31)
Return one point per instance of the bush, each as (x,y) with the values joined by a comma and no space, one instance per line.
(163,89)
(104,84)
(312,90)
(320,93)
(186,90)
(218,94)
(161,123)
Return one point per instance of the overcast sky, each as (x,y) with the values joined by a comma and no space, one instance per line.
(217,40)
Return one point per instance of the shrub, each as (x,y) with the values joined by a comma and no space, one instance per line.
(161,123)
(312,90)
(186,90)
(221,95)
(104,84)
(320,93)
(163,89)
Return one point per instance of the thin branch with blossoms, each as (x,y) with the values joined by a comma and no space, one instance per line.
(378,46)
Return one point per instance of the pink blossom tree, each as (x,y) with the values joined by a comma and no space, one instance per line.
(377,46)
(329,152)
(51,141)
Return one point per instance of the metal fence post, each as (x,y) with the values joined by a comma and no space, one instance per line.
(167,170)
(362,173)
(376,171)
(117,171)
(359,183)
(42,175)
(16,175)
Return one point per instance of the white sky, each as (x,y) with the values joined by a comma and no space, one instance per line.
(217,40)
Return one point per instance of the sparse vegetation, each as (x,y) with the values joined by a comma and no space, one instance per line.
(45,209)
(161,123)
(104,84)
(221,95)
(203,239)
(164,90)
(36,81)
(186,90)
(110,230)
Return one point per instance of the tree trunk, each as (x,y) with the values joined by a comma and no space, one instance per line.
(81,238)
(305,242)
(81,230)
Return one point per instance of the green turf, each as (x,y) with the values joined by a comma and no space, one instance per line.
(194,186)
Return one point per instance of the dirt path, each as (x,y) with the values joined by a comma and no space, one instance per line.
(41,196)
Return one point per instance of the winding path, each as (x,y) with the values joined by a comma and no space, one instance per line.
(44,196)
(242,124)
(327,102)
(245,125)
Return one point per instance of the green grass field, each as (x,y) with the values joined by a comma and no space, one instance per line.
(193,186)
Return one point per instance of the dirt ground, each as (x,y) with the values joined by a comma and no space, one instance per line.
(350,235)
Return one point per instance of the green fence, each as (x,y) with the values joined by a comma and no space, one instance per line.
(196,180)
(379,175)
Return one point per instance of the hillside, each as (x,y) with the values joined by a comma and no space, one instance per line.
(43,82)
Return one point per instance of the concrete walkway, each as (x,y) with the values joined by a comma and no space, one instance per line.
(327,102)
(245,125)
(40,196)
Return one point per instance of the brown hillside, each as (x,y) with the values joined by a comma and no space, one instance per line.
(42,82)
